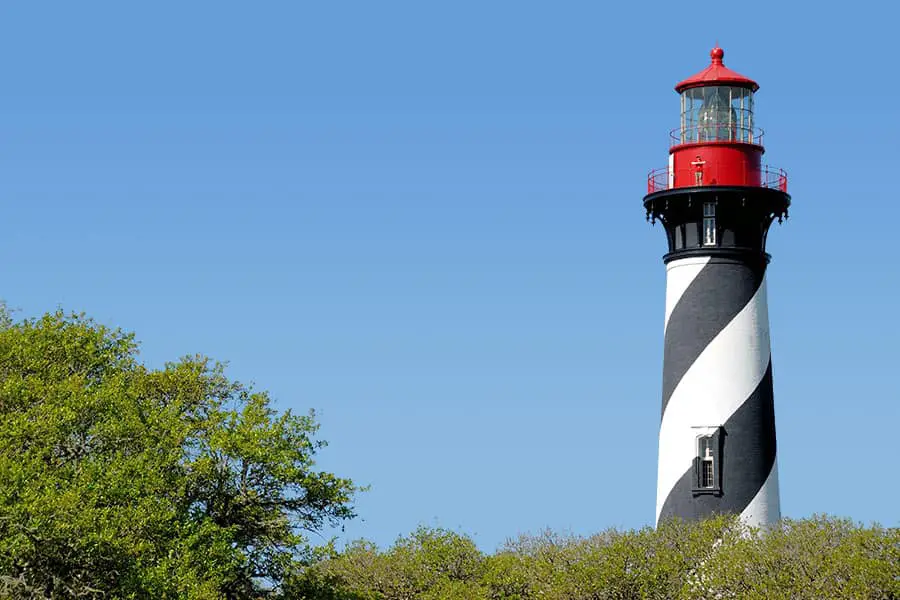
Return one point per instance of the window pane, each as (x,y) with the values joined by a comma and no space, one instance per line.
(705,446)
(709,231)
(707,478)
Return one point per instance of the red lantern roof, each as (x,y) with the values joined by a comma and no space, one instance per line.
(716,74)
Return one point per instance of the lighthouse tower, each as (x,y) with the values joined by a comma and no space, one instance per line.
(716,200)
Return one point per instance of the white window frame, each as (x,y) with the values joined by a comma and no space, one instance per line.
(709,224)
(701,433)
(707,460)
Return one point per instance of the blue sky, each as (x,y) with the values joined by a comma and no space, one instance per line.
(424,221)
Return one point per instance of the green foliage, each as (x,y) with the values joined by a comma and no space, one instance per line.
(118,481)
(430,563)
(716,558)
(814,558)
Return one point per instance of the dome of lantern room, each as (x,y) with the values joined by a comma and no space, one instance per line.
(717,74)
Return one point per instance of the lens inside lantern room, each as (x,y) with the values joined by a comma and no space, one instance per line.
(717,113)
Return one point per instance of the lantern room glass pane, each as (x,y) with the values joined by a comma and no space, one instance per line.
(717,114)
(742,105)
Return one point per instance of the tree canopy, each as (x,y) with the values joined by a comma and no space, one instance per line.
(122,481)
(820,558)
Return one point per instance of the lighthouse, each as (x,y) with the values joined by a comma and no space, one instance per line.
(716,200)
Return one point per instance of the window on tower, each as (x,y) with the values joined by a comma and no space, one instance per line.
(708,461)
(709,224)
(707,477)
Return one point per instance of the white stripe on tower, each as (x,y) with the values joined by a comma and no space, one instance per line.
(765,508)
(717,374)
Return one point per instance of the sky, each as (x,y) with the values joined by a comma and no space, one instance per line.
(424,221)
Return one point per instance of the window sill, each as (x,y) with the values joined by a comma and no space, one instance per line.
(717,491)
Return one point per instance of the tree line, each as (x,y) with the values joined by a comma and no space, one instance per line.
(816,558)
(122,481)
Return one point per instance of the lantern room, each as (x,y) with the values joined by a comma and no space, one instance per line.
(718,113)
(717,142)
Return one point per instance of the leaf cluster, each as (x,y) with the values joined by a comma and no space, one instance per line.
(121,481)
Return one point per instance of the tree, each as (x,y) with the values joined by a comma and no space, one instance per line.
(117,480)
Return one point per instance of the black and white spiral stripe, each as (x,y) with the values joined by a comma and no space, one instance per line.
(717,373)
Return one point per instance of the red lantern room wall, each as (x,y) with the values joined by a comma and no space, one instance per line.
(717,142)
